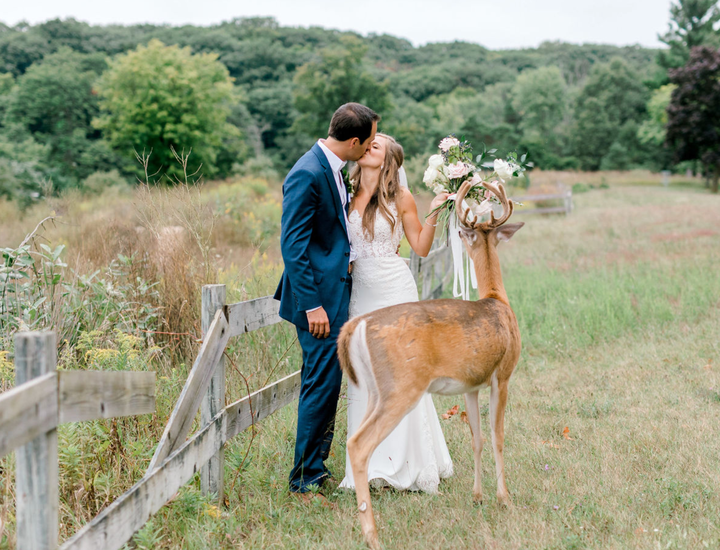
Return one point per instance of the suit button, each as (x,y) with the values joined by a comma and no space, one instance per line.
(347,254)
(342,279)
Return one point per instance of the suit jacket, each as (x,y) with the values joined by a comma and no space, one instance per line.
(313,240)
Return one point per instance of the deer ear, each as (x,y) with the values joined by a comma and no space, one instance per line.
(468,234)
(505,232)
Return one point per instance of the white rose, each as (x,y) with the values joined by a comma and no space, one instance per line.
(438,189)
(503,169)
(436,161)
(431,174)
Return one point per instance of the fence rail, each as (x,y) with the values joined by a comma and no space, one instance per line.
(30,413)
(564,195)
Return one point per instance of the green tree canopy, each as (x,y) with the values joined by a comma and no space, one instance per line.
(608,110)
(157,97)
(692,23)
(422,92)
(54,102)
(653,129)
(539,97)
(337,77)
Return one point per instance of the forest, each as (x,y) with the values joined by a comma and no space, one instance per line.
(80,102)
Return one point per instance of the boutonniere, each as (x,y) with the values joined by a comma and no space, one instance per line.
(346,181)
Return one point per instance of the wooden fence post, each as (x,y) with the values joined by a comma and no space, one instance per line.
(212,474)
(415,266)
(36,474)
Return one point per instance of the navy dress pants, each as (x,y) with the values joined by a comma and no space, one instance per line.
(319,391)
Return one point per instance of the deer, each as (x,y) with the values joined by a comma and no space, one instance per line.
(445,347)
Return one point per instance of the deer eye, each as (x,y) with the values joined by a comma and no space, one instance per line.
(469,235)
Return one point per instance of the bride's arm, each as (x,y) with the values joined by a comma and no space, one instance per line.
(419,234)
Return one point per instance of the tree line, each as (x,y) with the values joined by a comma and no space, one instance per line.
(78,101)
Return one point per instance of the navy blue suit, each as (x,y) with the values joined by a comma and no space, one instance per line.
(316,253)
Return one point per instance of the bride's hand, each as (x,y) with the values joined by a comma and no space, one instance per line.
(438,200)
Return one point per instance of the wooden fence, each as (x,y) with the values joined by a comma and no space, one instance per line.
(43,398)
(565,195)
(31,412)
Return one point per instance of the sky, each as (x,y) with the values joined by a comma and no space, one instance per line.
(498,24)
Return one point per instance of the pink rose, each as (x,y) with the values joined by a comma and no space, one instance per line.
(476,179)
(448,142)
(457,170)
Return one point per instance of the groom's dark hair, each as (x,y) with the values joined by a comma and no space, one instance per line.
(352,120)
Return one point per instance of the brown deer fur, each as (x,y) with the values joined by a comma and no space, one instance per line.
(440,346)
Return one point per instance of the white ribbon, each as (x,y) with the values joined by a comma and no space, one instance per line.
(463,266)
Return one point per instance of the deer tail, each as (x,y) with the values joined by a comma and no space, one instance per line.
(350,333)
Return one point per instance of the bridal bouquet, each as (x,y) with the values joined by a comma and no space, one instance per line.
(446,172)
(454,165)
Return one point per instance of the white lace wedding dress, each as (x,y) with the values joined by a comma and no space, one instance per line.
(414,456)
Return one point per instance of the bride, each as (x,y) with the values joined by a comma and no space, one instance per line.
(414,456)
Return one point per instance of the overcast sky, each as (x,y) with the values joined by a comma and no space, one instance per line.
(495,24)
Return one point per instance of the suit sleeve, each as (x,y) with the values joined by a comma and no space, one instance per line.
(300,202)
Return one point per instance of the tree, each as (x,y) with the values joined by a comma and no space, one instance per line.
(272,109)
(54,102)
(159,97)
(6,85)
(692,23)
(653,129)
(23,169)
(337,77)
(693,129)
(539,96)
(612,97)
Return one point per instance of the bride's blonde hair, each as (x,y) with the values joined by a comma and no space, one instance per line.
(388,187)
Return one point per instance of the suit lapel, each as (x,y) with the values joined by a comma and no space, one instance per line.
(330,178)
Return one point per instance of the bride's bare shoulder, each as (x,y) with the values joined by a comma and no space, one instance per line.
(405,200)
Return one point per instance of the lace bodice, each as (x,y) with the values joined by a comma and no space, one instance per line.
(386,241)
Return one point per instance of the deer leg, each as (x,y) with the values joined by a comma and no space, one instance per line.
(498,400)
(473,416)
(376,426)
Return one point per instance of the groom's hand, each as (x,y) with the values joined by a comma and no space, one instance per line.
(319,323)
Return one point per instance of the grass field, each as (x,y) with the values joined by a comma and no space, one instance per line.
(619,309)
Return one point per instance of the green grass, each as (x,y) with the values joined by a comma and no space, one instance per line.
(619,310)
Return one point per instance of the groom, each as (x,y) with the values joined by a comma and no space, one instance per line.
(314,291)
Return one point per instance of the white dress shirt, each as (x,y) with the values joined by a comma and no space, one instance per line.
(336,165)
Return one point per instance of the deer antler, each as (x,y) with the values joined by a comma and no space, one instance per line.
(507,205)
(463,211)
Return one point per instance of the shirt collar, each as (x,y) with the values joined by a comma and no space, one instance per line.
(336,163)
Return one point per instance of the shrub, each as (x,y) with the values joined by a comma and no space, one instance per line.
(38,293)
(258,167)
(580,188)
(250,213)
(98,182)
